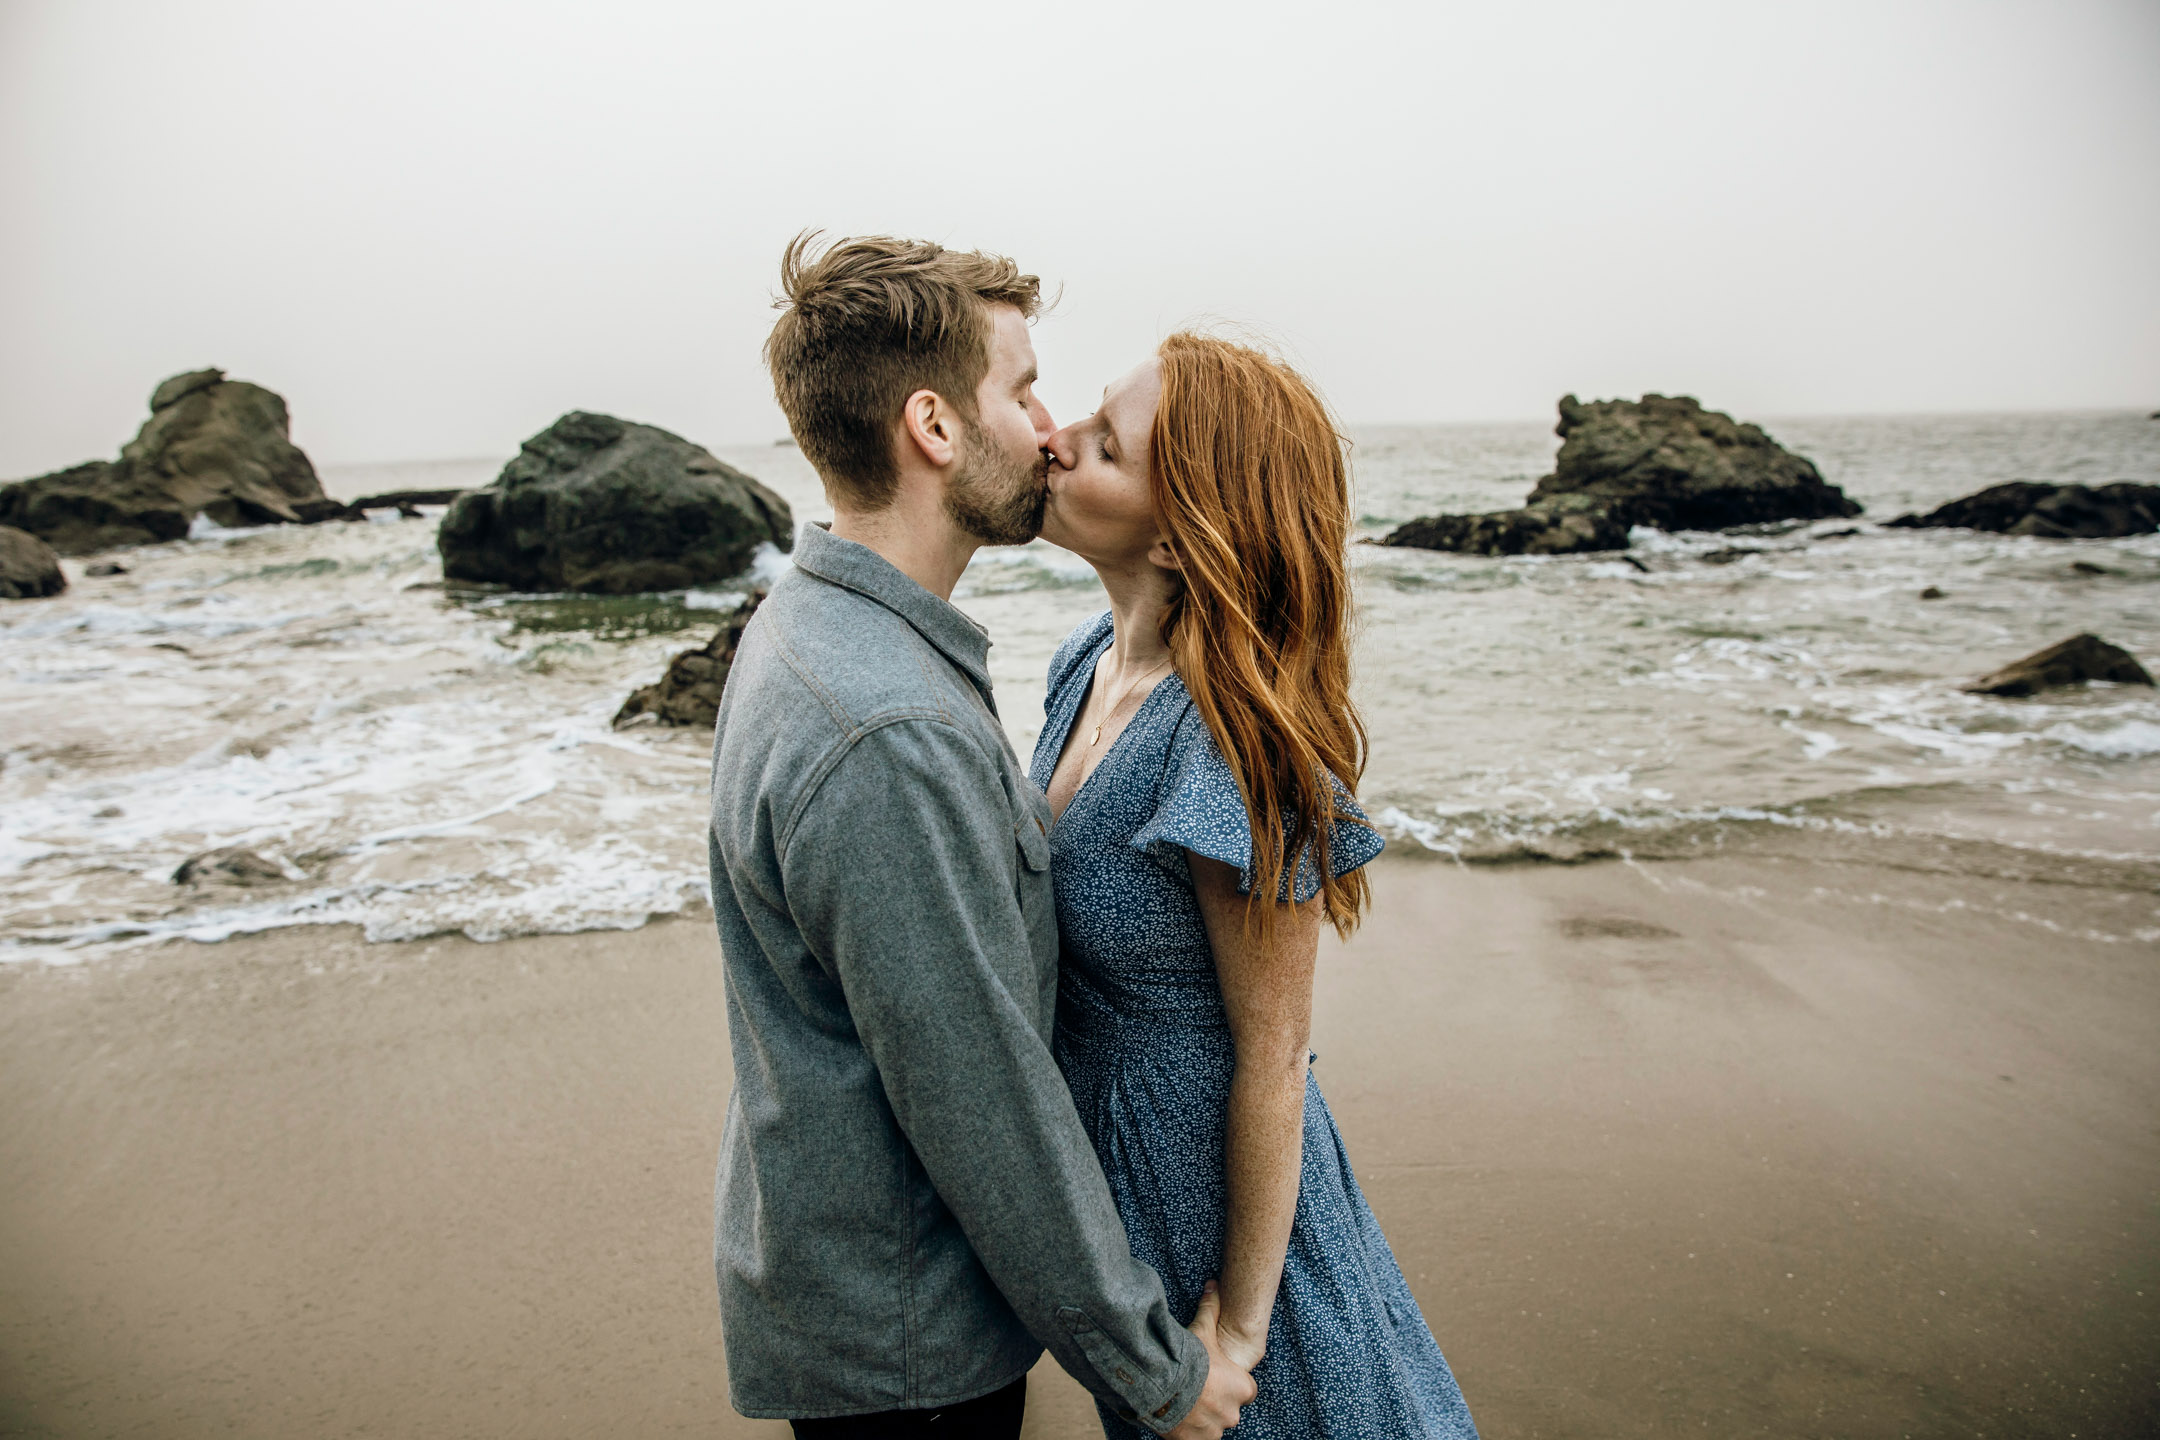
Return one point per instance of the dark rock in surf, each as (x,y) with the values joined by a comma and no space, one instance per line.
(231,865)
(598,504)
(689,693)
(2053,512)
(1661,461)
(407,502)
(2072,662)
(1933,592)
(1543,530)
(28,568)
(211,446)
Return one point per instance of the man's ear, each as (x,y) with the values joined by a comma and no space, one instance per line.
(931,427)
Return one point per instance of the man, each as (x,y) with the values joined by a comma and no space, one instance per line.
(907,1208)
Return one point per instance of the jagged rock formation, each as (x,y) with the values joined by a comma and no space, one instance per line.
(2054,512)
(599,504)
(2071,662)
(212,446)
(28,568)
(1659,461)
(689,694)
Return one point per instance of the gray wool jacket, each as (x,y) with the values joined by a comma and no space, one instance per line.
(907,1207)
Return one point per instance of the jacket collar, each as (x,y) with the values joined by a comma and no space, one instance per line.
(859,568)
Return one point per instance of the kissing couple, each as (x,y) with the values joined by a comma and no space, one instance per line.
(1021,1053)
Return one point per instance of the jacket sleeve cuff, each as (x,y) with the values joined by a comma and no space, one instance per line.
(1154,1396)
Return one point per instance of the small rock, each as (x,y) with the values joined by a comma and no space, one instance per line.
(231,865)
(689,693)
(2086,567)
(2072,662)
(1933,592)
(105,567)
(404,500)
(1727,555)
(110,812)
(28,568)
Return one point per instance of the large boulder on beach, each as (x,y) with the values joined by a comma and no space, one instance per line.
(2053,512)
(599,504)
(1661,461)
(212,446)
(28,568)
(689,693)
(2075,661)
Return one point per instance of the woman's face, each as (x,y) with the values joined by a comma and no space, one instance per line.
(1100,507)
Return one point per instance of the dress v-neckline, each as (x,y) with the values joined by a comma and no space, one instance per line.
(1072,718)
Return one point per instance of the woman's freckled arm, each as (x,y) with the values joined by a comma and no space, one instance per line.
(1267,996)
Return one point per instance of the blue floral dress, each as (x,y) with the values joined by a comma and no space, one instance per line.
(1143,1042)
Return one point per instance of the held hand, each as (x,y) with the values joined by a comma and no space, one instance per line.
(1228,1386)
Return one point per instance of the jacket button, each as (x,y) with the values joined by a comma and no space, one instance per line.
(1123,1375)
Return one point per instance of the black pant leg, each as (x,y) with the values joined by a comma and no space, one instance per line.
(995,1416)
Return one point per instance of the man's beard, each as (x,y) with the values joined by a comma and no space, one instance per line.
(997,500)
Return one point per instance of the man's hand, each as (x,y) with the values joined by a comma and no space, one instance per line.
(1227,1387)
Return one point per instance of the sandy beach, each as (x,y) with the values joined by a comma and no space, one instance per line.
(1786,1145)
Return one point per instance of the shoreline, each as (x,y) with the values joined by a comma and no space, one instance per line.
(1743,1144)
(2113,880)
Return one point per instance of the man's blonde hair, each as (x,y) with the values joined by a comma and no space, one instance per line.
(867,323)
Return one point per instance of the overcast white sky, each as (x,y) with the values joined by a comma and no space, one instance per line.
(435,226)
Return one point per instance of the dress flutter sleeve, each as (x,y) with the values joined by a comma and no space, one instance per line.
(1200,810)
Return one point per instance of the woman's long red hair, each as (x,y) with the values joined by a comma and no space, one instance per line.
(1249,478)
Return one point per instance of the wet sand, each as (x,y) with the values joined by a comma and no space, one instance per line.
(1746,1146)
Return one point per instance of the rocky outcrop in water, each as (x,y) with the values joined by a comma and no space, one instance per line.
(599,504)
(689,694)
(211,446)
(1659,461)
(2053,512)
(28,568)
(2071,662)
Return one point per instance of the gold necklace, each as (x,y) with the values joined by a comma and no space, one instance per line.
(1095,738)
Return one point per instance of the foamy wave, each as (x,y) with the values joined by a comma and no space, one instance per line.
(2131,738)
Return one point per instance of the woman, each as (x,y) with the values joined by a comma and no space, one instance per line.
(1195,747)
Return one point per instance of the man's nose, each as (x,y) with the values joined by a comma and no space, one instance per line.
(1045,427)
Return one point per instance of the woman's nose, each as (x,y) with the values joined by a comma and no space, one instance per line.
(1063,449)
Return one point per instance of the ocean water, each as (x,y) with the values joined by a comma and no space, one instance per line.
(420,760)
